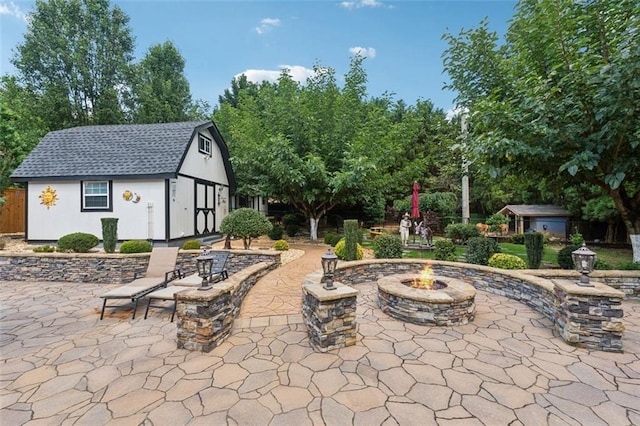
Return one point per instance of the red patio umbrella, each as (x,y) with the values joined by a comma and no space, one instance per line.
(415,205)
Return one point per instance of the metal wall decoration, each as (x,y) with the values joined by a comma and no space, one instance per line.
(48,197)
(134,197)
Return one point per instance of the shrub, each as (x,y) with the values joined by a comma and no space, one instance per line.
(109,233)
(78,242)
(387,246)
(629,266)
(506,261)
(495,220)
(564,256)
(517,238)
(480,249)
(276,232)
(460,233)
(292,229)
(328,237)
(335,239)
(247,224)
(576,239)
(340,250)
(602,265)
(44,249)
(290,219)
(534,243)
(191,245)
(136,246)
(445,250)
(281,245)
(351,236)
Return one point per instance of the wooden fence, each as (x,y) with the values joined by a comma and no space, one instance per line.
(13,211)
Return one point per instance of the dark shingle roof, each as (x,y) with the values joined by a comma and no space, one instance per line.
(138,150)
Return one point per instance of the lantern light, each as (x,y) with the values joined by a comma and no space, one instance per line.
(584,260)
(204,262)
(329,263)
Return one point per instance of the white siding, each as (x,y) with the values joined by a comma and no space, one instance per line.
(141,220)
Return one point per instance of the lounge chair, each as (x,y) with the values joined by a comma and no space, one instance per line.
(218,273)
(156,277)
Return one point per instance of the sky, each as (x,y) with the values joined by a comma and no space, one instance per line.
(220,39)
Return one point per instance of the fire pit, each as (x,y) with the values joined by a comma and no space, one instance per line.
(427,299)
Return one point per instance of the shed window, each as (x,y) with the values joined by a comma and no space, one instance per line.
(204,145)
(96,195)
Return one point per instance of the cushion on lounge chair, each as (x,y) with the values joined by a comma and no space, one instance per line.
(165,256)
(164,294)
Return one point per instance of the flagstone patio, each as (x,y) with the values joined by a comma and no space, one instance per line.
(61,365)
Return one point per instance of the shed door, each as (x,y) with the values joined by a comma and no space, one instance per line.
(205,211)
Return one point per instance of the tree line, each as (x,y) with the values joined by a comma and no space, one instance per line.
(553,111)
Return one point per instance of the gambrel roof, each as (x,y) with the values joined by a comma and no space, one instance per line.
(534,210)
(130,151)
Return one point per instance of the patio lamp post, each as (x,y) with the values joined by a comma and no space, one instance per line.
(329,263)
(204,262)
(584,261)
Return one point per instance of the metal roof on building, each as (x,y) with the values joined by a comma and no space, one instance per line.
(535,210)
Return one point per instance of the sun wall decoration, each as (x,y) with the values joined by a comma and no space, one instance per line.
(48,197)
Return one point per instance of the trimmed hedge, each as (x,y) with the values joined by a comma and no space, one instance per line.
(445,250)
(506,261)
(281,245)
(191,245)
(136,246)
(480,249)
(79,242)
(340,251)
(387,246)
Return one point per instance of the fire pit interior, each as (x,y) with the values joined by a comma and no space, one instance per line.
(427,299)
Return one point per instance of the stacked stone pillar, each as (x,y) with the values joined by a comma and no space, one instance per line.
(589,317)
(330,315)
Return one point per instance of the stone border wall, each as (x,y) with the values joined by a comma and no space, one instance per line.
(205,317)
(627,282)
(113,268)
(588,324)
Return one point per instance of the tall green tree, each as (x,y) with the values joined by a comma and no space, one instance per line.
(74,57)
(559,98)
(20,128)
(160,89)
(302,144)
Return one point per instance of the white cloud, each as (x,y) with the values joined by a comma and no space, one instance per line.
(361,3)
(297,72)
(455,111)
(267,24)
(365,52)
(12,9)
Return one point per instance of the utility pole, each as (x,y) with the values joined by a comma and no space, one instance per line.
(466,216)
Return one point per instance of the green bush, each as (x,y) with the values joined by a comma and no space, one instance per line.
(576,239)
(109,233)
(495,220)
(629,266)
(480,249)
(602,265)
(136,246)
(290,219)
(44,249)
(460,233)
(351,236)
(328,237)
(247,224)
(534,243)
(517,238)
(506,261)
(281,245)
(191,245)
(445,250)
(336,239)
(387,246)
(292,229)
(78,242)
(340,251)
(276,232)
(564,256)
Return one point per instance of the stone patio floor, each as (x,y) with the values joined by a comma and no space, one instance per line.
(61,365)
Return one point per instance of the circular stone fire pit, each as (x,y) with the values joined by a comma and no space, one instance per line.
(451,302)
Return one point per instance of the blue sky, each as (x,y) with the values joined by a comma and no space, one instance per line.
(221,39)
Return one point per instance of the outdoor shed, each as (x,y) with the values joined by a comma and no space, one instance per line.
(164,182)
(548,219)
